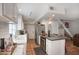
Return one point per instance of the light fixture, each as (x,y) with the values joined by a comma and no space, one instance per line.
(53,15)
(20,10)
(49,22)
(11,22)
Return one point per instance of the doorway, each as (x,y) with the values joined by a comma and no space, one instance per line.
(30,31)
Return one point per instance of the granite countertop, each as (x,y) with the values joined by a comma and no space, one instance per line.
(54,37)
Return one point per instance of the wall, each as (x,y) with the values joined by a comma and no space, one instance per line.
(4,30)
(74,26)
(0,9)
(20,25)
(54,27)
(30,28)
(46,25)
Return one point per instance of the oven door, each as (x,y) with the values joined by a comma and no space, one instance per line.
(43,43)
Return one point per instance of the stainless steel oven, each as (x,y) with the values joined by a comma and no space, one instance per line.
(43,43)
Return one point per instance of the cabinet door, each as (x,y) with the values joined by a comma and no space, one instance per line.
(55,47)
(10,10)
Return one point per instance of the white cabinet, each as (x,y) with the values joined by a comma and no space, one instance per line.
(56,47)
(20,50)
(10,10)
(21,38)
(21,41)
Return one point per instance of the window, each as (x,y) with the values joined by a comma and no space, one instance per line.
(12,28)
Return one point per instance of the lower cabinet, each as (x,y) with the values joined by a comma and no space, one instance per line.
(56,47)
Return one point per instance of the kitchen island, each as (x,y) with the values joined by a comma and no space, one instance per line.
(55,45)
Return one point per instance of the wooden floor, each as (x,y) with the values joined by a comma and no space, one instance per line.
(30,47)
(70,48)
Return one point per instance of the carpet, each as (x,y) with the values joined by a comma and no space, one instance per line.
(39,51)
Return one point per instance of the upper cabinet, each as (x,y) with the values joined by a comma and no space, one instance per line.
(10,10)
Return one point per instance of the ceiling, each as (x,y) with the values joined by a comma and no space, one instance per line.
(2,19)
(35,11)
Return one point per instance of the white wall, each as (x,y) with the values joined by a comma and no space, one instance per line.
(0,9)
(4,30)
(46,25)
(54,27)
(30,28)
(20,25)
(74,26)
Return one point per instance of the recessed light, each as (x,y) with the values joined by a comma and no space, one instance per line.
(53,15)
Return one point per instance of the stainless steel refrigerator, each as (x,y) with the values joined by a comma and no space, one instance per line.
(38,29)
